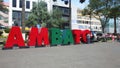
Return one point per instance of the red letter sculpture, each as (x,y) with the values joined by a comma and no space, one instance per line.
(36,37)
(84,35)
(77,35)
(15,38)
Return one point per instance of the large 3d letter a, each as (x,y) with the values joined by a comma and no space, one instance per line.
(15,38)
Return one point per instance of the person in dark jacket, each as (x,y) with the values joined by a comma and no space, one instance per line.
(88,38)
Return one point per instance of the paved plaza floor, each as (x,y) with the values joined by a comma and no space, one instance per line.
(95,55)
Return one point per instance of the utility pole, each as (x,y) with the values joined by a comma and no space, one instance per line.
(70,14)
(23,16)
(90,13)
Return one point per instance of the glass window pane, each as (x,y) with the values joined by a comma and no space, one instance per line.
(20,4)
(28,4)
(14,3)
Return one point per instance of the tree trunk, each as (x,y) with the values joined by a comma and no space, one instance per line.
(103,29)
(115,28)
(23,16)
(102,25)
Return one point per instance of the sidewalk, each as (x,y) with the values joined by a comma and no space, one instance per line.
(94,43)
(96,55)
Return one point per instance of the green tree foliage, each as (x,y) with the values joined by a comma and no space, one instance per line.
(101,8)
(1,5)
(2,8)
(56,19)
(32,20)
(40,15)
(105,10)
(114,13)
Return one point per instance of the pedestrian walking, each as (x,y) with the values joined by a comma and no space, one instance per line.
(118,38)
(88,38)
(113,37)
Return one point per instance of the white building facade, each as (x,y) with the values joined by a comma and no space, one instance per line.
(77,22)
(84,22)
(15,8)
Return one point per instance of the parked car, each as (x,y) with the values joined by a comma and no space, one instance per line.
(2,27)
(101,37)
(94,37)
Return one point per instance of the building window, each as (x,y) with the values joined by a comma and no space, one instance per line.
(65,11)
(86,22)
(16,18)
(14,3)
(33,3)
(79,21)
(20,4)
(28,4)
(96,27)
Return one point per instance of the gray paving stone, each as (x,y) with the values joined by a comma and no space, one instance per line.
(95,55)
